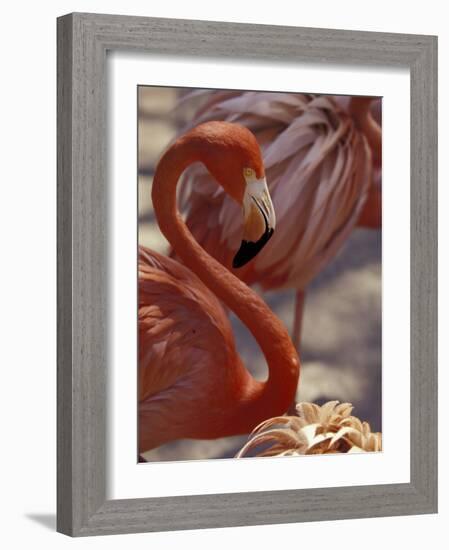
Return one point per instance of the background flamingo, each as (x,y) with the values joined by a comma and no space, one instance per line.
(191,381)
(322,156)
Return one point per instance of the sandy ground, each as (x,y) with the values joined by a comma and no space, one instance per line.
(341,347)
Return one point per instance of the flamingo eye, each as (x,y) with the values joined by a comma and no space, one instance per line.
(249,174)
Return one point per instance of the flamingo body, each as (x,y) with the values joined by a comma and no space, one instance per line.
(189,370)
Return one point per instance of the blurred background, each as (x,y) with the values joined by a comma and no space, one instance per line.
(341,341)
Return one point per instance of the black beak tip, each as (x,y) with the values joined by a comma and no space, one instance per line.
(248,249)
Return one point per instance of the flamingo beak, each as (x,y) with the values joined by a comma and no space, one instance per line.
(259,221)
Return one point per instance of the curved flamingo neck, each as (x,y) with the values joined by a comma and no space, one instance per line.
(258,400)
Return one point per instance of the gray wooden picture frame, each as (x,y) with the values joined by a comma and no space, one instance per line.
(83,41)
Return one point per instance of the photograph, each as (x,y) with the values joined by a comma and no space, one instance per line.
(259,274)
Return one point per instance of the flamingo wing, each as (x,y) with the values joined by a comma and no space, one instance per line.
(183,329)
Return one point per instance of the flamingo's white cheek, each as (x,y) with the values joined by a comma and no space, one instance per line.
(259,221)
(257,195)
(254,224)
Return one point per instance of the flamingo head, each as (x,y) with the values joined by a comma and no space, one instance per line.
(232,155)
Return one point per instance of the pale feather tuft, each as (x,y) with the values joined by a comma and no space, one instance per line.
(325,429)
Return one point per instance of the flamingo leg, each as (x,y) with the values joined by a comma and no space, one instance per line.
(297,321)
(296,335)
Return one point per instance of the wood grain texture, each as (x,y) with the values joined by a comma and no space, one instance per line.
(423,273)
(64,276)
(83,40)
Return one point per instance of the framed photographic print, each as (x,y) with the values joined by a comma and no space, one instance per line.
(246,274)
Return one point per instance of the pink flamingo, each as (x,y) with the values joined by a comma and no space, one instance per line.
(192,383)
(318,154)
